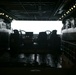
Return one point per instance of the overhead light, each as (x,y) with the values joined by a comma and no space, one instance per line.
(7,16)
(71,8)
(59,18)
(64,14)
(67,12)
(10,17)
(74,6)
(1,13)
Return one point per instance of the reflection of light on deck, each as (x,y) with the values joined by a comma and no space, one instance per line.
(21,55)
(59,66)
(37,58)
(48,59)
(33,56)
(35,43)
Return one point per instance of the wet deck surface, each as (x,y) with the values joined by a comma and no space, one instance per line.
(29,60)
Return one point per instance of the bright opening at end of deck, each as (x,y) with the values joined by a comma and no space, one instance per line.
(37,26)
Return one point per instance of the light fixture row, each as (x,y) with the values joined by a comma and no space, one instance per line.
(67,12)
(6,15)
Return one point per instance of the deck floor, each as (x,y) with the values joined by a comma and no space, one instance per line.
(32,60)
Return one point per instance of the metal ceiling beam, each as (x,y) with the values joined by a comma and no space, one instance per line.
(34,10)
(23,7)
(57,4)
(26,3)
(61,6)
